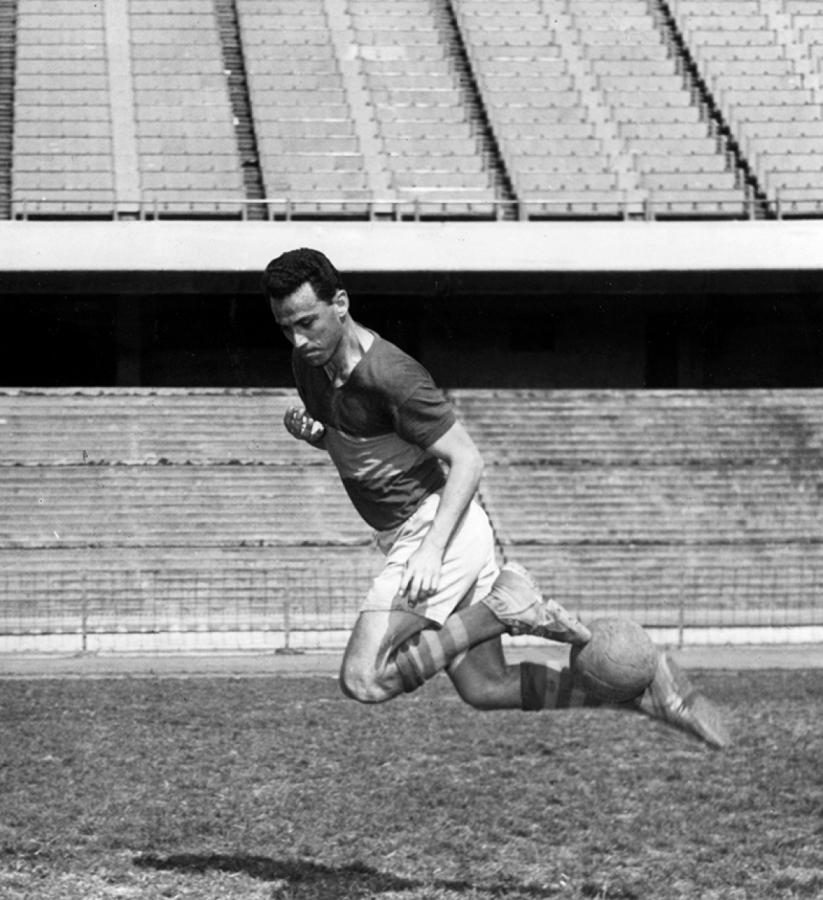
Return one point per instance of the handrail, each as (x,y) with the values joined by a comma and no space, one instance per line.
(622,206)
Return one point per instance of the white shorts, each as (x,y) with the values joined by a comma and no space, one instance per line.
(469,565)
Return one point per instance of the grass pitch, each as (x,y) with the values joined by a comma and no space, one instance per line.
(279,788)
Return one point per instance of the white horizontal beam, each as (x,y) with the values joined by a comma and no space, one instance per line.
(242,247)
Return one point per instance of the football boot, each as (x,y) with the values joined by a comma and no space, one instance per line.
(517,602)
(673,698)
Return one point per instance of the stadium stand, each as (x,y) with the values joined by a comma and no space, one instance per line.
(604,69)
(760,71)
(119,110)
(311,151)
(692,174)
(339,108)
(339,130)
(63,159)
(429,140)
(187,149)
(129,511)
(554,151)
(7,57)
(138,516)
(661,502)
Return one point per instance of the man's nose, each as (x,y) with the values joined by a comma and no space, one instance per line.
(300,340)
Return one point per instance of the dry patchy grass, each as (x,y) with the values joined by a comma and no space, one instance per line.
(281,789)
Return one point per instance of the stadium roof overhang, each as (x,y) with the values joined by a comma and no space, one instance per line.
(404,257)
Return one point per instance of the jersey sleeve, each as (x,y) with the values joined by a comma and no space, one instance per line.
(425,414)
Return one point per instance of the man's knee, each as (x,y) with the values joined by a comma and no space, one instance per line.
(363,683)
(368,673)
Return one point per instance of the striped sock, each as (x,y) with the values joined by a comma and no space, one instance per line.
(542,687)
(429,651)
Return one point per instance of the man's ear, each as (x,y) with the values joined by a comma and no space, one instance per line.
(341,304)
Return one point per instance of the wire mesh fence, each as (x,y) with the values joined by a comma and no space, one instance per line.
(180,608)
(299,607)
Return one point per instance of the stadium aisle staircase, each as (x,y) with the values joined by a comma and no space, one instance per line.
(120,107)
(237,82)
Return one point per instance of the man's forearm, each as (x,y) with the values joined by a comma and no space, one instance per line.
(461,485)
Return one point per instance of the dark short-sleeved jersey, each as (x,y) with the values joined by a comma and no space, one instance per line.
(378,426)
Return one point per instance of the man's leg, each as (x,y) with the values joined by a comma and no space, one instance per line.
(395,651)
(484,679)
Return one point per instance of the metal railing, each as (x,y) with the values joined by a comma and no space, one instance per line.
(625,207)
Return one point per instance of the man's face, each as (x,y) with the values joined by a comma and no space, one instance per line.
(312,326)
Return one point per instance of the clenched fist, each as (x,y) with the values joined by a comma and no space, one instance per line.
(301,425)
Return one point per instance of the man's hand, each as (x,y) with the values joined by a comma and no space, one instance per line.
(421,577)
(301,425)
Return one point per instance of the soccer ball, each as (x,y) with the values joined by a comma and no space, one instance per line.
(619,661)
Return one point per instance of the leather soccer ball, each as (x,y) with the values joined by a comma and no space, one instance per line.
(619,661)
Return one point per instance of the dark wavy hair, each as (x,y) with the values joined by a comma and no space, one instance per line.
(289,271)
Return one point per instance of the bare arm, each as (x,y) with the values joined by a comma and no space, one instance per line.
(457,449)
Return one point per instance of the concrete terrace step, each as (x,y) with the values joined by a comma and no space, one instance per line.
(670,585)
(201,514)
(641,427)
(147,426)
(181,505)
(658,504)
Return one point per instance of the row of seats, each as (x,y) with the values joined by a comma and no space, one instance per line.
(586,101)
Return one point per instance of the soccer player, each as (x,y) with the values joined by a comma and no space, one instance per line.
(412,471)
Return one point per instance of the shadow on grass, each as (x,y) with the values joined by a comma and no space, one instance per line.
(303,879)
